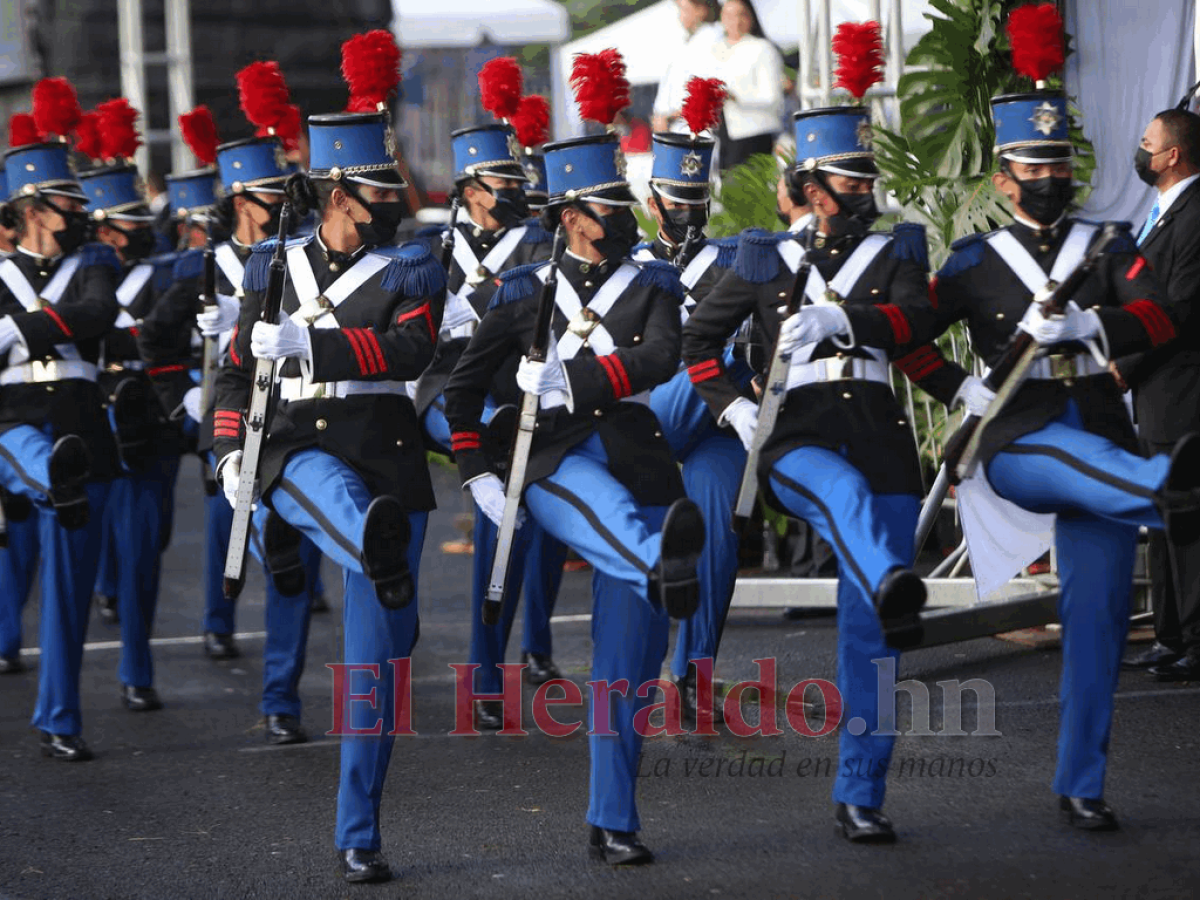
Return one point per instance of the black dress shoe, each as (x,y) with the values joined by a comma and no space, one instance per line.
(285,729)
(689,698)
(864,825)
(682,542)
(319,603)
(1186,668)
(540,668)
(106,607)
(361,866)
(618,848)
(70,465)
(129,403)
(140,699)
(386,533)
(1090,815)
(11,665)
(67,747)
(220,646)
(1155,655)
(489,715)
(899,601)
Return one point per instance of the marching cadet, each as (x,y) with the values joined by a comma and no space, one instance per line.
(841,454)
(343,460)
(138,512)
(253,174)
(1063,443)
(600,475)
(711,458)
(56,450)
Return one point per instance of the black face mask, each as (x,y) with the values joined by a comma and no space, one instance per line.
(76,232)
(676,222)
(511,206)
(620,233)
(1046,199)
(1141,165)
(856,212)
(141,241)
(385,219)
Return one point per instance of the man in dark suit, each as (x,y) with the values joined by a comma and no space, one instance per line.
(1166,381)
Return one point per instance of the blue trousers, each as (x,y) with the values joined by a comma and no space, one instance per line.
(871,535)
(587,509)
(132,542)
(327,500)
(17,564)
(712,462)
(1102,494)
(67,571)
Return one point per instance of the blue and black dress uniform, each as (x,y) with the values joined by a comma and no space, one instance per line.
(148,445)
(56,447)
(1064,443)
(600,474)
(344,462)
(841,455)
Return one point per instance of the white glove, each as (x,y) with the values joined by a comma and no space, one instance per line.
(813,324)
(974,395)
(220,318)
(743,416)
(488,493)
(1074,325)
(9,333)
(229,473)
(191,404)
(283,341)
(543,377)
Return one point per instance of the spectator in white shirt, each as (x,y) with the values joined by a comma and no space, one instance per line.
(693,58)
(752,70)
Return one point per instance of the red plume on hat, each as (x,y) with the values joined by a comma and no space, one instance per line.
(119,137)
(702,103)
(55,107)
(200,133)
(859,48)
(500,84)
(264,98)
(531,121)
(87,136)
(371,67)
(601,88)
(1036,33)
(23,130)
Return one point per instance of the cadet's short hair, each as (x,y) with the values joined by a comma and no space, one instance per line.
(1183,128)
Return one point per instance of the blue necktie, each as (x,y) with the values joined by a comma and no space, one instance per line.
(1154,214)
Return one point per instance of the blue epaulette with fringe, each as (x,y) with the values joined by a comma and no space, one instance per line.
(966,254)
(660,274)
(99,255)
(535,233)
(188,264)
(757,257)
(516,284)
(412,270)
(726,251)
(908,242)
(258,266)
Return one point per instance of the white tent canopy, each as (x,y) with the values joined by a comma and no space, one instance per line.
(466,23)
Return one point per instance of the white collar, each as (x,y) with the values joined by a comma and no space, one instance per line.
(1038,226)
(800,224)
(325,249)
(1171,194)
(37,257)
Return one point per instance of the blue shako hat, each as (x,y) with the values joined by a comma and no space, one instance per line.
(114,192)
(588,168)
(835,139)
(486,150)
(682,167)
(359,147)
(253,164)
(192,195)
(1032,128)
(535,180)
(42,169)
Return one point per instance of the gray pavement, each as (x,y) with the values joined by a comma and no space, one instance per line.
(190,803)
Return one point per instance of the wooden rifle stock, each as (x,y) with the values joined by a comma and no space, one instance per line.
(522,443)
(257,420)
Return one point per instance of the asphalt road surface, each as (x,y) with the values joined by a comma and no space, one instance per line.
(189,802)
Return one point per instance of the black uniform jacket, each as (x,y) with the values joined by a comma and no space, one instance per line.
(859,418)
(82,315)
(1166,381)
(726,253)
(386,332)
(169,342)
(122,355)
(980,288)
(534,246)
(644,325)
